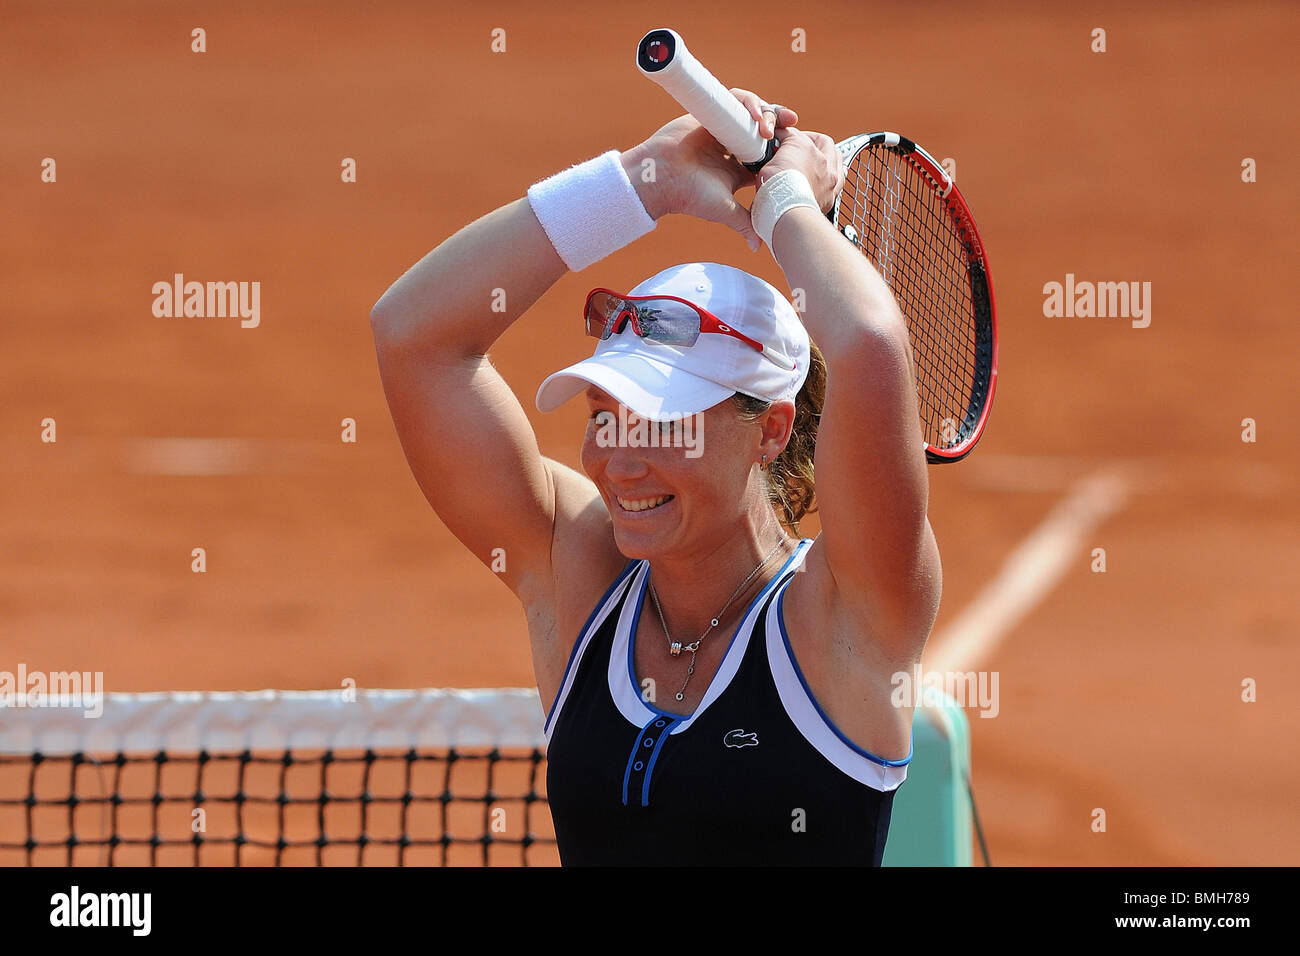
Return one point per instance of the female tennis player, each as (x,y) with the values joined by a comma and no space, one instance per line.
(718,687)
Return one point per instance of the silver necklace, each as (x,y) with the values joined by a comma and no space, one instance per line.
(676,647)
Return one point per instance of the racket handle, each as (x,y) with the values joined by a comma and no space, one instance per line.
(662,56)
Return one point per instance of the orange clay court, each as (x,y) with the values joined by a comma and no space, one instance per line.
(1120,690)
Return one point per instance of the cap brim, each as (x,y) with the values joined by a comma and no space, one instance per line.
(650,388)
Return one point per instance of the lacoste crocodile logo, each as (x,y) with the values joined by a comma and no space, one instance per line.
(738,738)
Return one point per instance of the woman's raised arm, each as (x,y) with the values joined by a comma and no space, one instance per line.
(872,484)
(466,437)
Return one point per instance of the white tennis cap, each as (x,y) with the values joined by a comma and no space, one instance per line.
(661,382)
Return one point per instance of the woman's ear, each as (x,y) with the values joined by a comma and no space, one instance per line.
(778,423)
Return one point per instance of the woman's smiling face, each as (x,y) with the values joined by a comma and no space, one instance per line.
(642,462)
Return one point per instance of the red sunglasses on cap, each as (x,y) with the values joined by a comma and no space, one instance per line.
(662,318)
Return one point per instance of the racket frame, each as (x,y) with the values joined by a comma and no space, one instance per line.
(978,274)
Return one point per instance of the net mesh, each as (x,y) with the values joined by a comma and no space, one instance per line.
(437,777)
(900,220)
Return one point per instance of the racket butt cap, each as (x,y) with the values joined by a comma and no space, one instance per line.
(657,51)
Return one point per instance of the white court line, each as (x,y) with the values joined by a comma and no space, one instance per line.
(177,457)
(190,456)
(1028,573)
(1024,473)
(1193,473)
(182,456)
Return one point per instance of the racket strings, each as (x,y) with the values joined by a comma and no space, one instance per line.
(940,303)
(902,224)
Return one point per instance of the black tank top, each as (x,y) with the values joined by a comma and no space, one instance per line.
(758,775)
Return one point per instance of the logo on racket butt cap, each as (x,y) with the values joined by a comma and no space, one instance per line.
(656,51)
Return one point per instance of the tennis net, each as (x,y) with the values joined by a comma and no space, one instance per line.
(325,778)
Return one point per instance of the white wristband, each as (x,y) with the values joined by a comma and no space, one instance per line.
(784,191)
(590,210)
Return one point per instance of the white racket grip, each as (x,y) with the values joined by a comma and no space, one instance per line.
(702,94)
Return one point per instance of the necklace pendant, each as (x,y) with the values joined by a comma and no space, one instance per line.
(680,696)
(675,648)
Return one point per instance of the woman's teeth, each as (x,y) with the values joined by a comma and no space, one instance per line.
(642,504)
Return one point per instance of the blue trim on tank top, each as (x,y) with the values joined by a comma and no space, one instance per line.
(785,638)
(622,576)
(631,644)
(654,756)
(650,766)
(627,771)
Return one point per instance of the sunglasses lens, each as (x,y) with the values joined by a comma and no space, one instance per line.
(669,321)
(662,320)
(601,307)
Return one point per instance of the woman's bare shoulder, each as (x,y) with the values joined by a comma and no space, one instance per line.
(585,557)
(810,596)
(585,561)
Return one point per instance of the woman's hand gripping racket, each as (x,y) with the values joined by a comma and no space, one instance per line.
(902,210)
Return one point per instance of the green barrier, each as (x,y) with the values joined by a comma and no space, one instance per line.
(931,821)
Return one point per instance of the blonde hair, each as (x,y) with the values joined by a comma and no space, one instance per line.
(791,488)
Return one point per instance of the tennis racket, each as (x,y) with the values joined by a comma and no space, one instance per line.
(901,209)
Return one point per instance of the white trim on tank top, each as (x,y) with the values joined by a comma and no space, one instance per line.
(627,695)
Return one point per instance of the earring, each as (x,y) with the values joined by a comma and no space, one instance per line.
(764,465)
